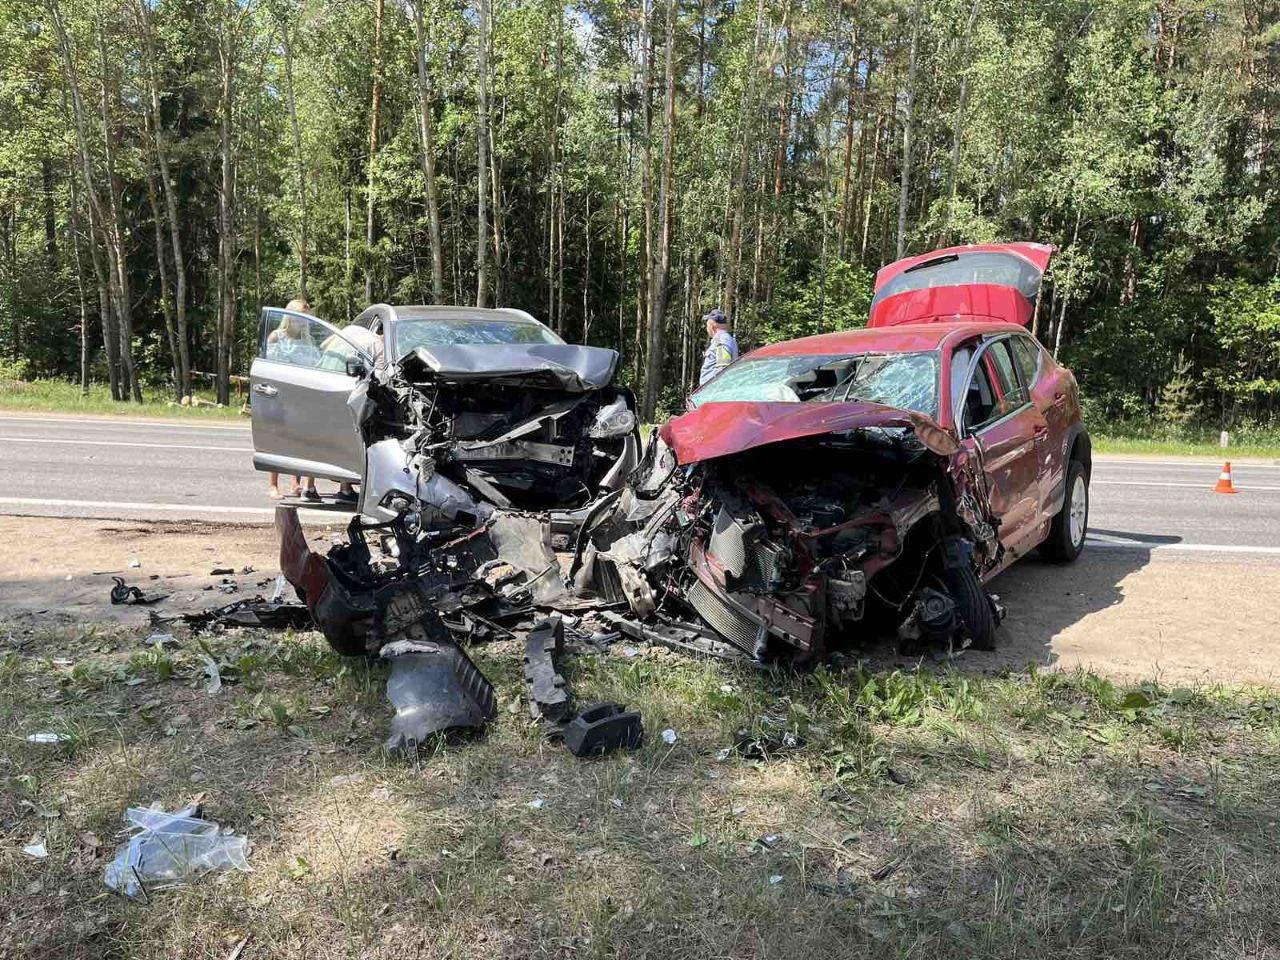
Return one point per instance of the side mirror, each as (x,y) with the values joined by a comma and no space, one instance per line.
(357,367)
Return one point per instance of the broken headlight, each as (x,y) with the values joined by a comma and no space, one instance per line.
(614,419)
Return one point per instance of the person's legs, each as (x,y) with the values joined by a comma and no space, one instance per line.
(273,485)
(346,493)
(297,487)
(311,493)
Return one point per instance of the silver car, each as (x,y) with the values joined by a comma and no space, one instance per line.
(454,410)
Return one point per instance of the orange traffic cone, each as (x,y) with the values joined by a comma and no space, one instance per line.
(1224,480)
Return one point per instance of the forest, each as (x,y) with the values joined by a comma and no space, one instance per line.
(619,167)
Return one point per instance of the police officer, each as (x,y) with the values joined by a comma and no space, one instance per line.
(722,349)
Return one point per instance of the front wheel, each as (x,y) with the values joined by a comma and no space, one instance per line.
(973,606)
(1071,525)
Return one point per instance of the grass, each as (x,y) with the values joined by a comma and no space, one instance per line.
(926,814)
(1200,441)
(61,396)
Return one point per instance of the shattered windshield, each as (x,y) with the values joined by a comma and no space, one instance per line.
(450,332)
(907,380)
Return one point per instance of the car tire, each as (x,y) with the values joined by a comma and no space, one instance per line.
(973,607)
(1071,525)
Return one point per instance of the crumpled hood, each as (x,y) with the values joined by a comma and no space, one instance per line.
(561,365)
(720,429)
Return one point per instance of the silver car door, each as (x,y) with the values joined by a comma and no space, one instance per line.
(299,388)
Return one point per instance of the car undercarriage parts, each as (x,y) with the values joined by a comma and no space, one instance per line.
(250,612)
(548,699)
(602,728)
(435,689)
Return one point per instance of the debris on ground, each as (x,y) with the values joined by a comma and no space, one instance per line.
(249,612)
(47,737)
(435,689)
(124,593)
(172,848)
(36,849)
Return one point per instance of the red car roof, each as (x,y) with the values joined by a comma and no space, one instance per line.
(903,338)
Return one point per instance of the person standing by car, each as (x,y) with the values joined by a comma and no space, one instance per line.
(722,348)
(287,340)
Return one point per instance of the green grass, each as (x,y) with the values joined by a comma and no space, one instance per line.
(61,396)
(1190,440)
(940,814)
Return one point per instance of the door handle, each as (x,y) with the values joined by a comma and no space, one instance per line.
(265,390)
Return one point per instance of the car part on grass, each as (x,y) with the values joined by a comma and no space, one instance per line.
(434,687)
(603,728)
(548,699)
(172,848)
(123,593)
(250,612)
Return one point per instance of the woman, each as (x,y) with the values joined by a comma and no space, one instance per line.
(289,342)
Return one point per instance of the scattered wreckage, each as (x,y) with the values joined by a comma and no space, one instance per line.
(819,493)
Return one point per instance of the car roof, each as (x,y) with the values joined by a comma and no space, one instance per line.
(424,312)
(905,338)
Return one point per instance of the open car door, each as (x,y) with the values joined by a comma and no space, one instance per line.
(300,382)
(993,281)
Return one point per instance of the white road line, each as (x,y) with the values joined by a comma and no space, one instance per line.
(77,442)
(108,422)
(1207,487)
(163,507)
(1244,461)
(1100,541)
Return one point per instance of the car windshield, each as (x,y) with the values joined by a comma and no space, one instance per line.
(409,334)
(907,380)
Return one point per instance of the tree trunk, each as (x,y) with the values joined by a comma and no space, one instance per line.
(482,156)
(226,321)
(908,121)
(957,125)
(426,133)
(299,162)
(171,205)
(658,286)
(162,267)
(375,116)
(123,298)
(74,208)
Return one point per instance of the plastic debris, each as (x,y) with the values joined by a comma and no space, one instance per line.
(36,849)
(277,592)
(124,593)
(162,640)
(775,879)
(536,803)
(172,848)
(669,736)
(47,737)
(213,682)
(135,563)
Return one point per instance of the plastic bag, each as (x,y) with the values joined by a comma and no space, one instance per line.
(171,848)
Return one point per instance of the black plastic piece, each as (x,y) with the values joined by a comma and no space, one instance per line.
(548,698)
(124,593)
(602,728)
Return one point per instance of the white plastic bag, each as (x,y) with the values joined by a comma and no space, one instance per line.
(171,849)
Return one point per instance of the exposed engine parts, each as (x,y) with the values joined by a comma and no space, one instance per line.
(882,533)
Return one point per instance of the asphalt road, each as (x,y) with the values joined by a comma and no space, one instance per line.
(63,465)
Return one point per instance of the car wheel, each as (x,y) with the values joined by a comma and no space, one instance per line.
(973,606)
(1071,525)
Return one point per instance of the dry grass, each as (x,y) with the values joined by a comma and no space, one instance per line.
(928,815)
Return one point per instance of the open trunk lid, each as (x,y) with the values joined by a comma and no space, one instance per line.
(990,281)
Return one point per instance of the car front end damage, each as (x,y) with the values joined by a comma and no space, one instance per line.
(797,530)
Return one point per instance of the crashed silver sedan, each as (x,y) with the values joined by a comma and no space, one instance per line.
(415,403)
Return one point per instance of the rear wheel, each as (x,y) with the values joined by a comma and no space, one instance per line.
(1071,525)
(973,606)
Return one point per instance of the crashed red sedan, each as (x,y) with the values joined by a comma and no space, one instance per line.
(873,480)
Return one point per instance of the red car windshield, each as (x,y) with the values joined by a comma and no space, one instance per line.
(906,380)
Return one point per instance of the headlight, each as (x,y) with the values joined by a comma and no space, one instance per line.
(613,420)
(397,502)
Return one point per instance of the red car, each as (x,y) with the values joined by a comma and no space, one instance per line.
(882,474)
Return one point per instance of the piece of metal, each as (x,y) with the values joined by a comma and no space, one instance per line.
(435,689)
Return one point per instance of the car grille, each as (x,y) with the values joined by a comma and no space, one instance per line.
(732,624)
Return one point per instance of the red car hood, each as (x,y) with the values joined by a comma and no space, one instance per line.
(720,429)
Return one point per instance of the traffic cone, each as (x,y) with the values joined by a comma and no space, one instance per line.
(1224,480)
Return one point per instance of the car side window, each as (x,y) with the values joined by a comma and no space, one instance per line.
(994,390)
(303,341)
(1028,356)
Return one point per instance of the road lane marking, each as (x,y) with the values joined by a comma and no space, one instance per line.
(1101,541)
(123,443)
(1252,464)
(1208,488)
(107,422)
(342,515)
